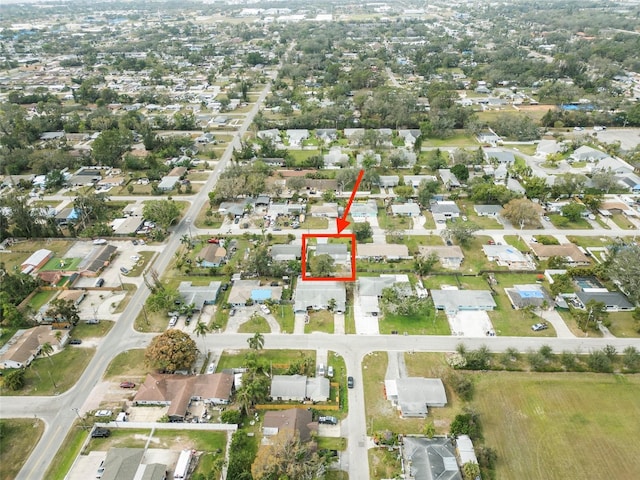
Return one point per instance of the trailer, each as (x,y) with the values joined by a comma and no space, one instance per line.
(182,467)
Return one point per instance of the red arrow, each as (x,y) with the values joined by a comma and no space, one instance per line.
(342,223)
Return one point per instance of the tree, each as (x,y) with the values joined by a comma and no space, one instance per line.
(201,329)
(631,358)
(568,184)
(287,457)
(54,180)
(256,342)
(109,147)
(604,181)
(321,265)
(471,470)
(467,423)
(47,349)
(522,212)
(624,269)
(424,265)
(14,380)
(296,183)
(461,232)
(161,212)
(63,311)
(426,191)
(90,207)
(163,299)
(362,230)
(536,187)
(461,172)
(172,350)
(573,211)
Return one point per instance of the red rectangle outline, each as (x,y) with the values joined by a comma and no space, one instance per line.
(352,236)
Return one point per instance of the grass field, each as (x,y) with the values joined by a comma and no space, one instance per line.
(560,426)
(425,322)
(91,330)
(623,325)
(18,438)
(67,453)
(622,221)
(20,251)
(256,324)
(40,299)
(62,264)
(56,374)
(235,358)
(127,364)
(285,317)
(562,222)
(321,321)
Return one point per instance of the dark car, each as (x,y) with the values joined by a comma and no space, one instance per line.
(100,432)
(127,385)
(350,382)
(328,420)
(75,341)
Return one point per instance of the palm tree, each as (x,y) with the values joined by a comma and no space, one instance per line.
(201,329)
(256,342)
(47,349)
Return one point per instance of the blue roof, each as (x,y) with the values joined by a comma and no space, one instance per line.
(260,294)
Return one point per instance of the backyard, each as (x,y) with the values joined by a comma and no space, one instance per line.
(18,438)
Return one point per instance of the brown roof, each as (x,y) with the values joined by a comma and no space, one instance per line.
(29,344)
(613,205)
(212,252)
(177,172)
(568,250)
(293,419)
(71,295)
(178,389)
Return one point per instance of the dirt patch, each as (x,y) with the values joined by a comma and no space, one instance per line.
(536,108)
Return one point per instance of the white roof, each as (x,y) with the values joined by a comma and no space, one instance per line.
(36,257)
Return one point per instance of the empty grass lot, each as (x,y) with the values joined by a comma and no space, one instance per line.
(127,364)
(564,223)
(235,358)
(622,221)
(424,322)
(20,251)
(285,317)
(559,426)
(255,324)
(623,325)
(413,242)
(321,321)
(18,438)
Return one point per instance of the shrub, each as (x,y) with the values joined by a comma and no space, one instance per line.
(462,385)
(599,362)
(231,416)
(467,423)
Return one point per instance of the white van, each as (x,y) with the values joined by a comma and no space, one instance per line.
(173,321)
(321,370)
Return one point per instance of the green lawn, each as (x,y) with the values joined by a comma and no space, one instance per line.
(314,223)
(55,264)
(515,241)
(388,221)
(349,321)
(148,321)
(121,438)
(460,139)
(91,330)
(589,241)
(285,317)
(560,426)
(425,322)
(127,364)
(623,325)
(256,324)
(485,223)
(321,321)
(22,250)
(384,464)
(140,265)
(41,298)
(413,242)
(509,322)
(563,222)
(69,449)
(18,438)
(622,221)
(235,358)
(55,374)
(474,257)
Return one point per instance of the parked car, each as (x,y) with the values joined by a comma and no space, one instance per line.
(328,420)
(103,413)
(99,241)
(265,309)
(213,240)
(330,372)
(75,341)
(127,385)
(99,282)
(350,382)
(232,312)
(173,321)
(100,470)
(100,432)
(124,270)
(539,326)
(490,242)
(211,368)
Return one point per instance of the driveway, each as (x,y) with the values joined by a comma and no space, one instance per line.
(554,318)
(365,324)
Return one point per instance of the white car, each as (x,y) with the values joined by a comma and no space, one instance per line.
(173,321)
(99,241)
(211,368)
(265,309)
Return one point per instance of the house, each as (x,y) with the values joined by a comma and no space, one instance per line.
(613,301)
(177,391)
(36,260)
(66,216)
(297,136)
(610,164)
(110,182)
(325,210)
(133,210)
(522,296)
(587,154)
(177,172)
(453,301)
(488,210)
(126,226)
(299,420)
(466,452)
(299,388)
(317,294)
(495,155)
(168,183)
(508,256)
(335,158)
(569,252)
(271,134)
(25,345)
(85,177)
(500,173)
(73,296)
(444,210)
(327,135)
(449,180)
(368,209)
(235,209)
(405,210)
(413,395)
(199,296)
(388,181)
(286,253)
(416,180)
(212,255)
(360,157)
(388,251)
(370,290)
(430,458)
(337,251)
(283,209)
(449,256)
(354,135)
(407,157)
(409,136)
(515,186)
(489,137)
(250,291)
(98,258)
(126,464)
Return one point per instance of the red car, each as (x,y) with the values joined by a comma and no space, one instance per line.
(213,240)
(127,385)
(491,242)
